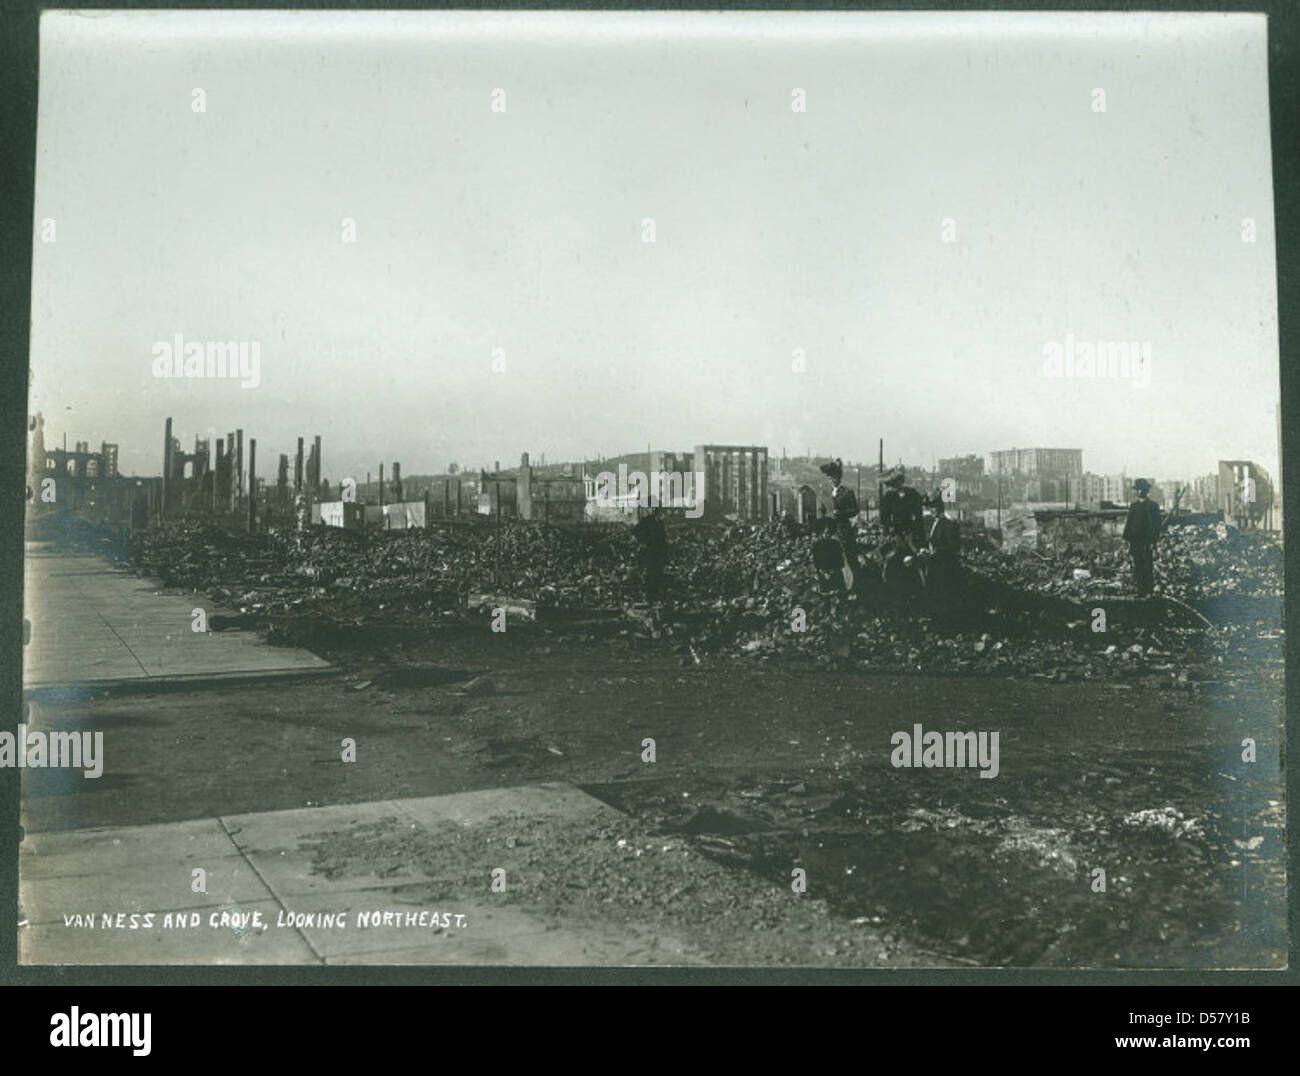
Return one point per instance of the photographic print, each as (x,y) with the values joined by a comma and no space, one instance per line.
(750,489)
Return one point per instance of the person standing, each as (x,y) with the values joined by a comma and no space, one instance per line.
(942,553)
(900,516)
(1141,529)
(900,511)
(650,532)
(844,510)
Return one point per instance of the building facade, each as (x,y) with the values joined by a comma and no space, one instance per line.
(733,481)
(1036,462)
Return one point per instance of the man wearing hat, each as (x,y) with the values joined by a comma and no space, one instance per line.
(650,532)
(941,556)
(844,509)
(900,511)
(1141,530)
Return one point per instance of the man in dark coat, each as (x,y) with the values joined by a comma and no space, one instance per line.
(941,556)
(650,532)
(1141,530)
(844,510)
(900,511)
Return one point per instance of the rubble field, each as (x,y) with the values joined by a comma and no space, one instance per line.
(751,591)
(1119,747)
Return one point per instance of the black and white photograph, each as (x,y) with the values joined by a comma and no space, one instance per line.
(625,489)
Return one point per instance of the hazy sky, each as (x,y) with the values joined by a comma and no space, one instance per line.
(774,230)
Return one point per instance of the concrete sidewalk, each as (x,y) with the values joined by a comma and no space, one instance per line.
(92,625)
(273,863)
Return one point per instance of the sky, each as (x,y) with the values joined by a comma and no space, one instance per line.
(896,260)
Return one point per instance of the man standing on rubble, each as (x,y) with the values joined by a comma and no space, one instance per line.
(650,532)
(900,511)
(941,556)
(1141,530)
(844,510)
(900,516)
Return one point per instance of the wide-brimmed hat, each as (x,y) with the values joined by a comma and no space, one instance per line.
(895,477)
(1142,484)
(834,469)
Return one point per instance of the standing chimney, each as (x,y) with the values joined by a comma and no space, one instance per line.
(220,473)
(313,490)
(167,468)
(238,493)
(252,485)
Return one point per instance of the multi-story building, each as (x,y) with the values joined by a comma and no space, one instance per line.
(1095,489)
(1035,462)
(1204,494)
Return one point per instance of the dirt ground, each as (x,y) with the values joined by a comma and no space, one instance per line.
(764,768)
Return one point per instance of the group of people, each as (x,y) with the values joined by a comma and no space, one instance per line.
(930,548)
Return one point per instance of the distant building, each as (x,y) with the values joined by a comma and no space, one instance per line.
(799,503)
(1094,490)
(1204,494)
(1245,494)
(498,494)
(1039,475)
(966,471)
(550,496)
(83,481)
(733,481)
(1037,462)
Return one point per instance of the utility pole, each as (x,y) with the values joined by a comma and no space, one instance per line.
(999,499)
(880,477)
(313,486)
(496,567)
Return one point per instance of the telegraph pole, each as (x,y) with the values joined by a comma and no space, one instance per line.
(880,476)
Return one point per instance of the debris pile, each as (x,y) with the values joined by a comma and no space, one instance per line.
(1194,563)
(747,591)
